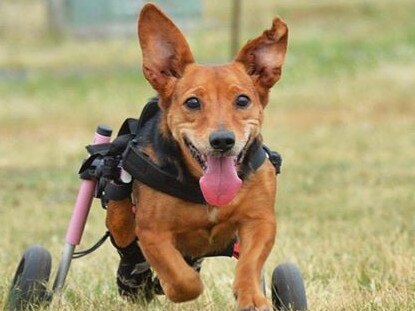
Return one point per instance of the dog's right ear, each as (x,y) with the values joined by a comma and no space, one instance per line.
(166,52)
(264,56)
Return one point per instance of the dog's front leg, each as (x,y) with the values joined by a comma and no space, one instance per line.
(256,241)
(179,281)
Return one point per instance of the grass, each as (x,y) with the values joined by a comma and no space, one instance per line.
(343,118)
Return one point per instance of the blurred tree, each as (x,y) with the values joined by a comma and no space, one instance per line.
(55,17)
(235,26)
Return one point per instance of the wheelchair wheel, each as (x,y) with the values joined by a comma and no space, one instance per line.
(29,286)
(287,287)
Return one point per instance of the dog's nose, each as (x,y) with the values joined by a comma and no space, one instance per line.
(222,140)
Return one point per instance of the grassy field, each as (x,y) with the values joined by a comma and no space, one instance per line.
(343,118)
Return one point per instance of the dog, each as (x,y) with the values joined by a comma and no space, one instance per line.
(209,117)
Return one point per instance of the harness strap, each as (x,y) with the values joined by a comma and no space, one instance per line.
(146,171)
(117,191)
(254,158)
(275,159)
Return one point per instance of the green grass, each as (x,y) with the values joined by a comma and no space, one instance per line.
(343,118)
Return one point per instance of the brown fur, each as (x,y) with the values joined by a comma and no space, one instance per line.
(169,228)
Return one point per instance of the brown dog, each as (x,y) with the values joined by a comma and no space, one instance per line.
(213,114)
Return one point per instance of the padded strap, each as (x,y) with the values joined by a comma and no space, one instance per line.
(117,191)
(146,171)
(131,253)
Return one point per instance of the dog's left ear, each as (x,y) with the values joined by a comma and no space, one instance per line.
(165,50)
(264,56)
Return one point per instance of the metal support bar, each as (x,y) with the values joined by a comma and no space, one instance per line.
(64,265)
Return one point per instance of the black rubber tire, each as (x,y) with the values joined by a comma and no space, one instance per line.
(287,288)
(29,286)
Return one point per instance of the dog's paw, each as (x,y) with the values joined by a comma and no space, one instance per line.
(266,308)
(187,287)
(253,302)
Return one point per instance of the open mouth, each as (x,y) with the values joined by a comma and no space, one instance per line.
(202,158)
(220,182)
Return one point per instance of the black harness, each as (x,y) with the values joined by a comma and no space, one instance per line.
(125,152)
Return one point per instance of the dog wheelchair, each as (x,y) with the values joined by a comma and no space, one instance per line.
(104,177)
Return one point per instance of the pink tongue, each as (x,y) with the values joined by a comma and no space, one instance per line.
(220,183)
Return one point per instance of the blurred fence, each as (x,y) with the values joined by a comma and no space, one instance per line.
(86,18)
(106,18)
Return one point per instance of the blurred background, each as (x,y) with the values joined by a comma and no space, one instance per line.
(342,116)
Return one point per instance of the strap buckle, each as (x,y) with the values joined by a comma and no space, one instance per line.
(275,158)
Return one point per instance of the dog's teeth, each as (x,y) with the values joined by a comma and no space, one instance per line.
(200,158)
(241,156)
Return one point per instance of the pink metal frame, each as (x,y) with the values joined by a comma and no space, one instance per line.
(83,203)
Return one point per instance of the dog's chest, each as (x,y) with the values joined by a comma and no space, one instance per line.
(213,215)
(214,236)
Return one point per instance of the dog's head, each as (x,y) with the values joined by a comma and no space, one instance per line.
(213,112)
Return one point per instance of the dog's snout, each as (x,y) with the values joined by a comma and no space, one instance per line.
(222,140)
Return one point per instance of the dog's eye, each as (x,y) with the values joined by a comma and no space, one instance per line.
(192,103)
(242,101)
